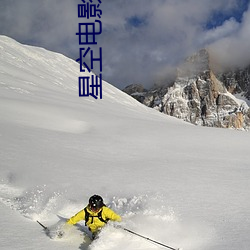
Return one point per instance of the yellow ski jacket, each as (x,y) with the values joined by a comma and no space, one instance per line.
(94,223)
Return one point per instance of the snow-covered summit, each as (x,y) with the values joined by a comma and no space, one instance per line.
(43,69)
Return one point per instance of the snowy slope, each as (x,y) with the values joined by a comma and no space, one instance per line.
(179,184)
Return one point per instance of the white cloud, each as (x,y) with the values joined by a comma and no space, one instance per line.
(170,31)
(228,28)
(233,50)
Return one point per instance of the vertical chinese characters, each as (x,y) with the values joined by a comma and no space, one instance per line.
(87,33)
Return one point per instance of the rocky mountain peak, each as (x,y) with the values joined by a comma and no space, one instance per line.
(201,97)
(196,64)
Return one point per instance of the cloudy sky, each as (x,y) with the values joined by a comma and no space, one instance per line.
(142,40)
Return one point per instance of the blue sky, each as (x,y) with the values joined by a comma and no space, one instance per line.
(218,17)
(142,40)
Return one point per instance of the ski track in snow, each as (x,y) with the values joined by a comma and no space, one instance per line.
(145,214)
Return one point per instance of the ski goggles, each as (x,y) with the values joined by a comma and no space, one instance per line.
(94,208)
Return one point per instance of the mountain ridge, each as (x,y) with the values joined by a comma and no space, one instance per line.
(200,95)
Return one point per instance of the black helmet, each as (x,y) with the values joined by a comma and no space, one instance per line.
(96,202)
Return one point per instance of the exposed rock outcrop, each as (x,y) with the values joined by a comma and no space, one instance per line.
(201,97)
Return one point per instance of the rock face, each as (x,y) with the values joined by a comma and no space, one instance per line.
(137,91)
(202,98)
(237,81)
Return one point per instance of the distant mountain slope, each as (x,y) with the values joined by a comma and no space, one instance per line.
(37,71)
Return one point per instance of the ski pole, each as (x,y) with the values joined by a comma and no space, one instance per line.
(45,228)
(146,238)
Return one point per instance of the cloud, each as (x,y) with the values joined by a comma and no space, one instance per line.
(47,23)
(142,40)
(228,28)
(171,31)
(233,49)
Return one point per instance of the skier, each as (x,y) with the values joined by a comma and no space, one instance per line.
(95,214)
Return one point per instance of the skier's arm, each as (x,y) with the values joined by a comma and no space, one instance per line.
(77,217)
(110,214)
